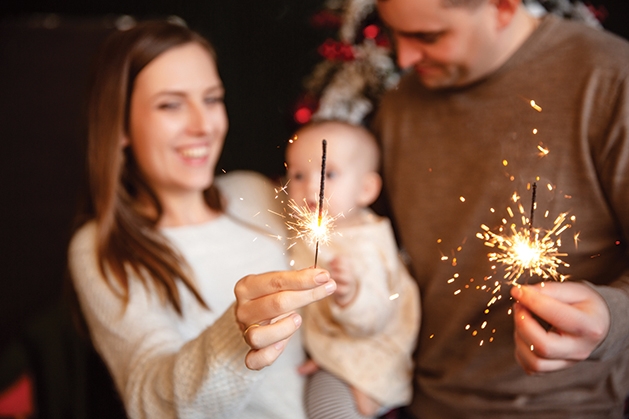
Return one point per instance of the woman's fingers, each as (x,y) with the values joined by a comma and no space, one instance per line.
(257,359)
(255,286)
(266,305)
(261,336)
(278,293)
(268,341)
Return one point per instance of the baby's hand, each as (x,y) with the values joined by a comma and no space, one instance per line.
(346,282)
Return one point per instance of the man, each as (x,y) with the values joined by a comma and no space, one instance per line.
(510,125)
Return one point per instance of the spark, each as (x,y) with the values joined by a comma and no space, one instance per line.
(526,249)
(281,189)
(543,151)
(311,226)
(535,106)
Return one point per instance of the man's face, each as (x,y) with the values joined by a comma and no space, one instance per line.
(446,46)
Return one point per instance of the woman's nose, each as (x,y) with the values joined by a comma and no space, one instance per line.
(199,120)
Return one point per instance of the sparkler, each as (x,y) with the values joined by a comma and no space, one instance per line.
(324,145)
(527,250)
(314,227)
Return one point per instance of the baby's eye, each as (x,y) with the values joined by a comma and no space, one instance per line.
(331,174)
(296,176)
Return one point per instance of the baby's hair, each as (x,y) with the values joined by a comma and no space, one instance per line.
(368,145)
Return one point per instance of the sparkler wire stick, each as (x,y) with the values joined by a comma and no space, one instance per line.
(532,205)
(324,145)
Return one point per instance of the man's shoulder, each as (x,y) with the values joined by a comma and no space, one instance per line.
(589,43)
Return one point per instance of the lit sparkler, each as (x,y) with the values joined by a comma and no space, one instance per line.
(314,227)
(310,226)
(527,249)
(324,145)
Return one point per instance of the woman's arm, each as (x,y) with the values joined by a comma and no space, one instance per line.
(162,374)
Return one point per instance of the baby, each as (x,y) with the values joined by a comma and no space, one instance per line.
(364,333)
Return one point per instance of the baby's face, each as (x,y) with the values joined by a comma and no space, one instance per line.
(343,176)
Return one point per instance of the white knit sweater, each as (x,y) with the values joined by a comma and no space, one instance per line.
(192,366)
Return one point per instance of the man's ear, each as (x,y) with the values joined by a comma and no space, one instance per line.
(124,141)
(505,11)
(370,189)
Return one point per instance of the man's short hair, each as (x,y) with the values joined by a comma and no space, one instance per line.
(457,3)
(462,3)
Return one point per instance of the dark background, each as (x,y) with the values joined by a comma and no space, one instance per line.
(265,49)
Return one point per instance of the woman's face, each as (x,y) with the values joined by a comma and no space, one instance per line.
(177,121)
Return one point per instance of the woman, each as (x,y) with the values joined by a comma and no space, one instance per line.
(156,266)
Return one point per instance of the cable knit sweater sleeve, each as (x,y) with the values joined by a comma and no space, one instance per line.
(158,375)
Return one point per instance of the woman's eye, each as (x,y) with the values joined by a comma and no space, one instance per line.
(210,100)
(169,105)
(296,176)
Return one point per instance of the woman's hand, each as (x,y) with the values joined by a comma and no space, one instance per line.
(266,307)
(579,320)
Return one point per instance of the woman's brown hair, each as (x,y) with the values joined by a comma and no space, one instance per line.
(127,239)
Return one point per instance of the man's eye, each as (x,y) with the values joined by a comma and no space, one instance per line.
(424,37)
(431,38)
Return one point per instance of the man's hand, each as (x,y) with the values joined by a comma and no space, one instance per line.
(579,320)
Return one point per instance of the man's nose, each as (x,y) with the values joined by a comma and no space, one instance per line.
(408,53)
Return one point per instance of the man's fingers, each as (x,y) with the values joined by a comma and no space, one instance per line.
(545,344)
(567,292)
(528,359)
(563,315)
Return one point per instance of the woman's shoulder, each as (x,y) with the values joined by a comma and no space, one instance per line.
(83,238)
(252,197)
(239,183)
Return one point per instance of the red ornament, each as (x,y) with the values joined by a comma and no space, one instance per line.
(336,51)
(303,115)
(371,31)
